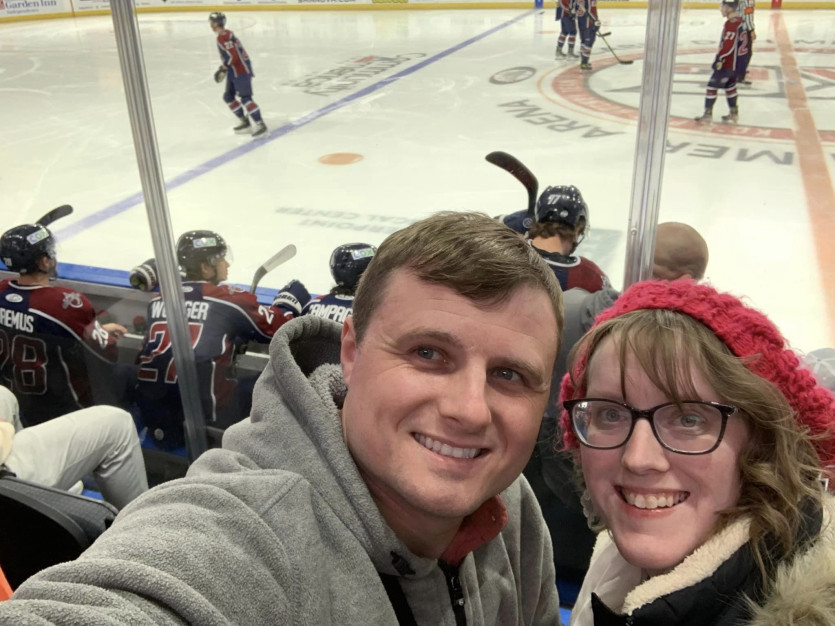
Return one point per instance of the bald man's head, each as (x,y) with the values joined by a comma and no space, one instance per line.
(680,252)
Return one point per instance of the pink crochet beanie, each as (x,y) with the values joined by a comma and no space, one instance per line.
(746,332)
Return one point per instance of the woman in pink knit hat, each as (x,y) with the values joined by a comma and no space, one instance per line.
(704,446)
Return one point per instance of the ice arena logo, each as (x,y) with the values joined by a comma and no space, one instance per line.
(350,74)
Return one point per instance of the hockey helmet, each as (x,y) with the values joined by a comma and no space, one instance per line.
(200,246)
(23,246)
(562,203)
(519,221)
(349,261)
(218,18)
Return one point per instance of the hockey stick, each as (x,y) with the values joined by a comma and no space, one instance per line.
(282,256)
(614,54)
(55,214)
(517,169)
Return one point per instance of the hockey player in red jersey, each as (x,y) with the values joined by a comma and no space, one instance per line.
(348,262)
(562,221)
(733,47)
(54,354)
(237,68)
(567,17)
(220,318)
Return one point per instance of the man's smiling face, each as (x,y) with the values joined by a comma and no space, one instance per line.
(445,396)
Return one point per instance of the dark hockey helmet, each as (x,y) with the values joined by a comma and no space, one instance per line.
(562,203)
(349,261)
(200,246)
(23,246)
(218,18)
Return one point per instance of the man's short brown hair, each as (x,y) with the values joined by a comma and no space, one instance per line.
(472,254)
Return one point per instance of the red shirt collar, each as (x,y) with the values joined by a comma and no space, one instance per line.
(477,529)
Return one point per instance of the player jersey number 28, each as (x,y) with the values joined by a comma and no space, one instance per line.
(28,358)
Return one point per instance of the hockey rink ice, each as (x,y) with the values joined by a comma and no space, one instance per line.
(379,118)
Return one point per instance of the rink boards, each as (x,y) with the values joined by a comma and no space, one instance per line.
(15,10)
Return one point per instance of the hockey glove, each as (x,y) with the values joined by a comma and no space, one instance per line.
(144,277)
(597,24)
(292,297)
(717,65)
(220,74)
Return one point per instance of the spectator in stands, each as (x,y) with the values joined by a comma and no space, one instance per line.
(100,441)
(680,252)
(221,319)
(377,480)
(348,262)
(54,354)
(702,442)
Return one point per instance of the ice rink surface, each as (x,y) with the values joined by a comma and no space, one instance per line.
(379,118)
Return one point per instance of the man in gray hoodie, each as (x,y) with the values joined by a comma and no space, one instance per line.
(377,480)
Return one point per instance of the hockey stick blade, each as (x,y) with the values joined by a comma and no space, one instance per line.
(517,169)
(614,54)
(55,214)
(282,256)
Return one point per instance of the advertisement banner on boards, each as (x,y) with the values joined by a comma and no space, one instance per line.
(82,6)
(22,8)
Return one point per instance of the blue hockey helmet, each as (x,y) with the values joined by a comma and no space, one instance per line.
(349,261)
(564,204)
(218,18)
(200,246)
(519,221)
(22,247)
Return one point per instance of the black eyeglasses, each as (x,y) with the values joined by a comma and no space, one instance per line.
(691,427)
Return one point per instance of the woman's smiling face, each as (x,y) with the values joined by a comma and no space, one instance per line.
(659,505)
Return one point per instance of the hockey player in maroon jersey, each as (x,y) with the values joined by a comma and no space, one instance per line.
(732,47)
(54,354)
(348,262)
(567,17)
(220,318)
(237,67)
(562,221)
(588,23)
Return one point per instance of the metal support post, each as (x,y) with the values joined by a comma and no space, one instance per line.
(653,117)
(128,42)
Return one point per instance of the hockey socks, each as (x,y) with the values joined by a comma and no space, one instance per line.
(237,109)
(253,111)
(710,98)
(730,94)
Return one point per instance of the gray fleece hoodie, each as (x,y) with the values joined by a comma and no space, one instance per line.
(278,527)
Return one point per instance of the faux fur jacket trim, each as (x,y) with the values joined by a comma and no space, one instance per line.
(803,592)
